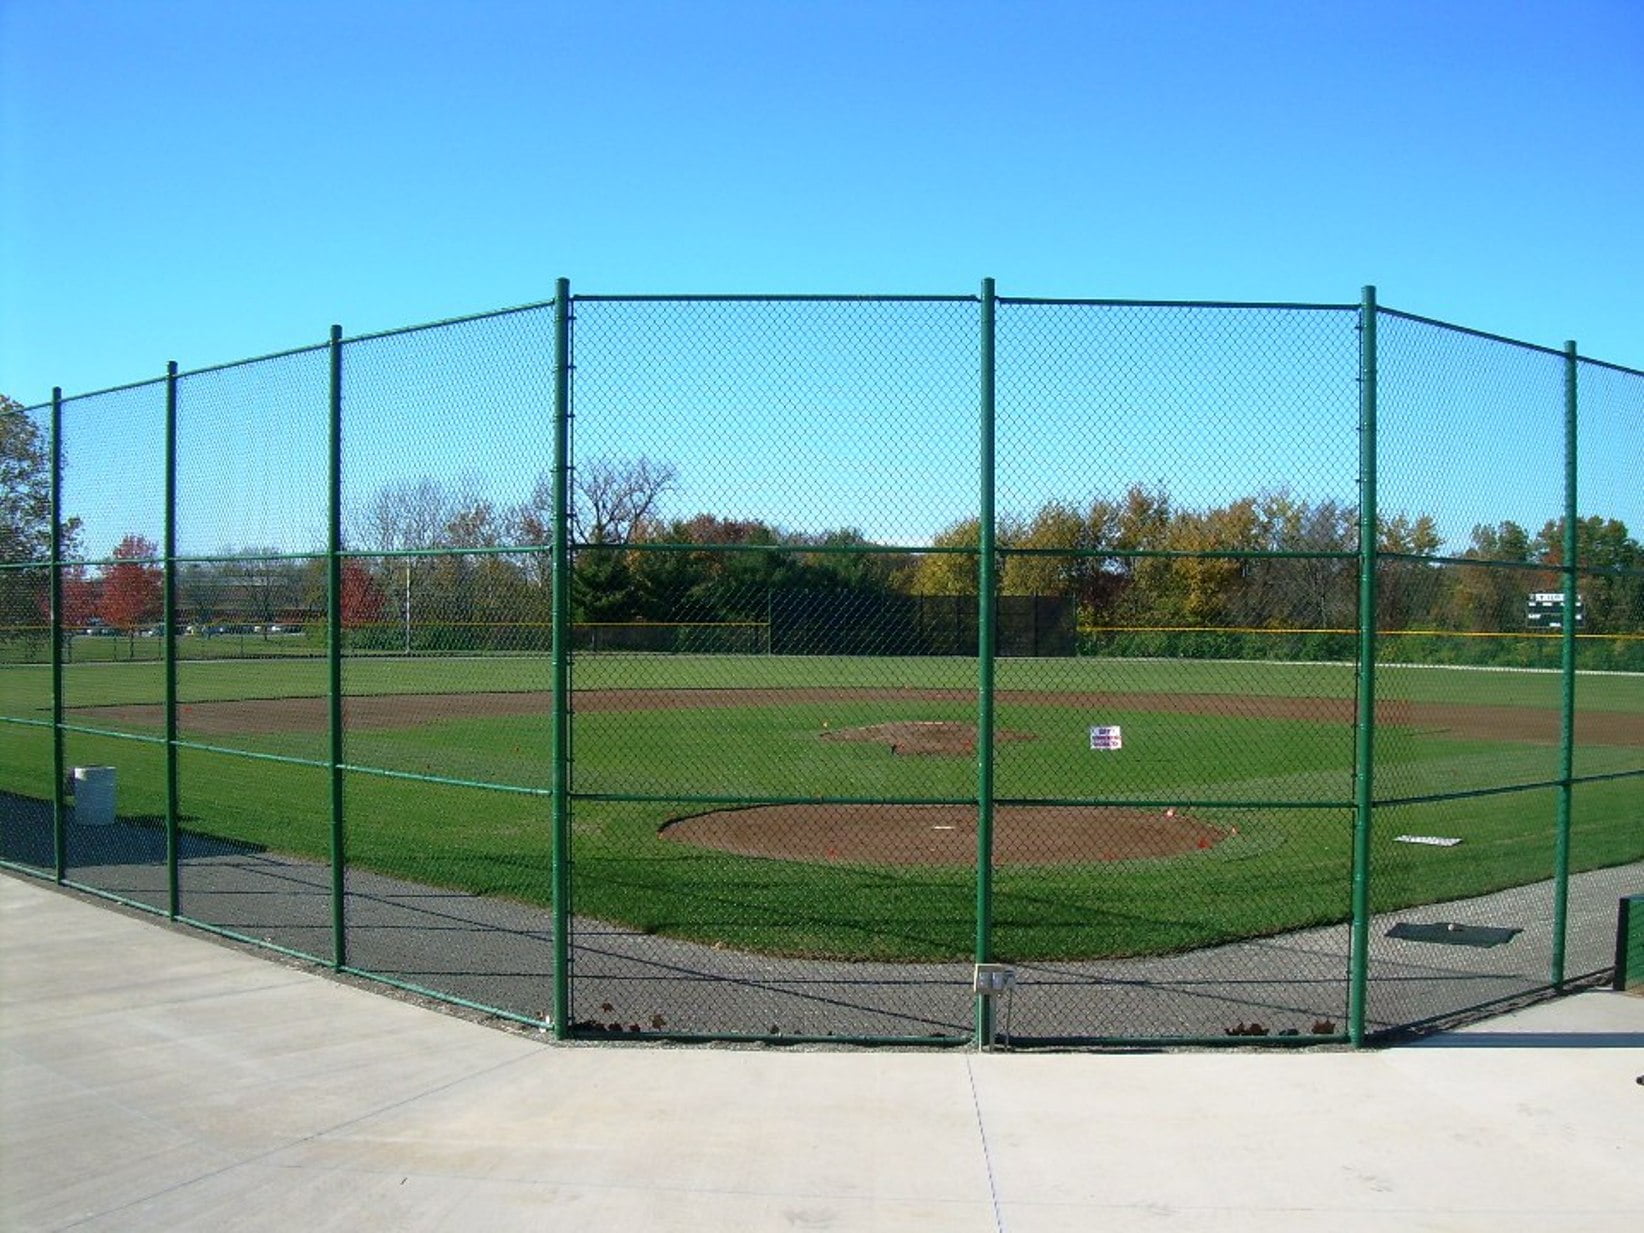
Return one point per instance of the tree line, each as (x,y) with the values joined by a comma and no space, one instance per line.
(1133,565)
(435,564)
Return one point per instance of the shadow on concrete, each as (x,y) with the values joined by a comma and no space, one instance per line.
(131,839)
(1533,1040)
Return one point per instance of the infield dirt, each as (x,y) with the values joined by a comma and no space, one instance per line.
(1523,725)
(944,834)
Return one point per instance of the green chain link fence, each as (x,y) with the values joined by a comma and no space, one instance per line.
(775,667)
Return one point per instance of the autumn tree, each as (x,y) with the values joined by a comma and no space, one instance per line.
(1612,579)
(480,594)
(363,602)
(701,585)
(1204,588)
(132,586)
(1408,592)
(1139,521)
(80,596)
(614,503)
(405,519)
(951,573)
(1057,526)
(1302,591)
(615,500)
(1486,597)
(25,490)
(404,515)
(25,525)
(842,563)
(202,593)
(530,524)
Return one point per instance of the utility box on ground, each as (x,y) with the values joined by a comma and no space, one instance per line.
(1629,944)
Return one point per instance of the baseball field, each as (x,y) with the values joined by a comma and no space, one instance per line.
(826,806)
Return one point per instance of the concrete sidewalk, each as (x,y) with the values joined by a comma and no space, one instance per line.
(152,1078)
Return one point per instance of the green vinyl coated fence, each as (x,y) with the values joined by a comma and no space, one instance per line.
(943,669)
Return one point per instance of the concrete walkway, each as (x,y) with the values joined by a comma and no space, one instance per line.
(153,1078)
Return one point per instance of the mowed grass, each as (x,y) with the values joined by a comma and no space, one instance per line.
(26,688)
(1285,862)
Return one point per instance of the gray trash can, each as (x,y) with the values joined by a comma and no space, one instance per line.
(94,795)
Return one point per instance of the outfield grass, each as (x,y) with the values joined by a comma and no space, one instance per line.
(27,686)
(1289,864)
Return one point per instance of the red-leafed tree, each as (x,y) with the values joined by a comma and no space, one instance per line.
(80,604)
(79,597)
(132,587)
(363,602)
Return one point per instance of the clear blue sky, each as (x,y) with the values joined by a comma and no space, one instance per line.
(204,181)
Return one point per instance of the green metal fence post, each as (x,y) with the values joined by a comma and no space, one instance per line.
(1365,715)
(59,763)
(173,891)
(1572,599)
(560,598)
(986,606)
(334,650)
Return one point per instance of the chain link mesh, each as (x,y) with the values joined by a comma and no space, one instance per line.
(25,637)
(447,461)
(1472,489)
(776,653)
(252,495)
(1195,744)
(113,479)
(1606,816)
(739,467)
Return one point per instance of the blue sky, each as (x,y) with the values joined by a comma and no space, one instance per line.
(207,181)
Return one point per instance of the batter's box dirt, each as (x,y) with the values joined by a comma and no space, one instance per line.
(935,736)
(944,834)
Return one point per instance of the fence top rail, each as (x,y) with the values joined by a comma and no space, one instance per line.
(307,349)
(534,306)
(192,372)
(741,298)
(1295,306)
(753,298)
(1621,368)
(113,389)
(310,349)
(1468,330)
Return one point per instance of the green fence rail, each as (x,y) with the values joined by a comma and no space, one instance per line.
(950,669)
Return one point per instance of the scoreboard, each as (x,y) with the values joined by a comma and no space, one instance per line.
(1545,610)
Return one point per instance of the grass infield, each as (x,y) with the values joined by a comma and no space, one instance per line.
(1260,751)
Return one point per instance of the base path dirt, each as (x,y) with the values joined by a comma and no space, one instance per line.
(944,834)
(1490,723)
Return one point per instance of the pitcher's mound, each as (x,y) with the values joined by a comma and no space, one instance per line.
(935,736)
(944,834)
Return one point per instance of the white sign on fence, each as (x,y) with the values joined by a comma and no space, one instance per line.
(1103,736)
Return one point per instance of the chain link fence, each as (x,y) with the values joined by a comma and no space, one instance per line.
(858,668)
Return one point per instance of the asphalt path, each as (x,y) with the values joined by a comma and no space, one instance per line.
(499,954)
